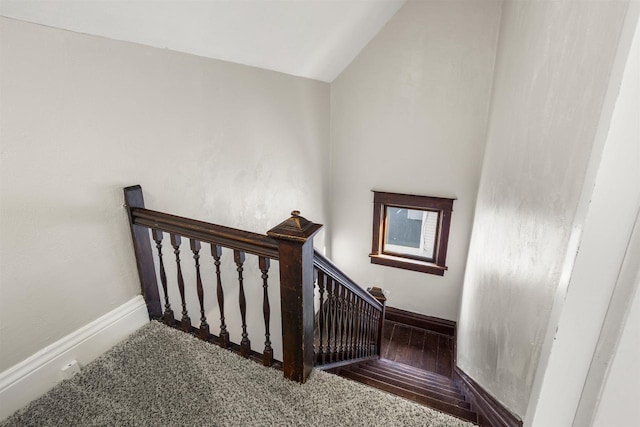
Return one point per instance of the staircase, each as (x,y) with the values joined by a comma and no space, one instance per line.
(424,387)
(328,320)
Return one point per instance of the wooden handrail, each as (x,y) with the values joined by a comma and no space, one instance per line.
(246,241)
(330,269)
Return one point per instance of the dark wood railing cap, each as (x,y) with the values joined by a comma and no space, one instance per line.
(296,228)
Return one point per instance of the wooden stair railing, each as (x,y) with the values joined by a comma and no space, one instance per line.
(351,325)
(237,242)
(350,319)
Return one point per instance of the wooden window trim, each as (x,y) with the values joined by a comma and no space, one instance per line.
(443,206)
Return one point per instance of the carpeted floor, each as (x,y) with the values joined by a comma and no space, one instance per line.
(163,377)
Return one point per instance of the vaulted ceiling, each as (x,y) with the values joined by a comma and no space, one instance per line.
(316,39)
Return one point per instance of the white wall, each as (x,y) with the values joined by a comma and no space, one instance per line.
(621,393)
(552,71)
(409,116)
(614,203)
(81,117)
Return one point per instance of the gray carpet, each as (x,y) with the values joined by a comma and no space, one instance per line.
(163,377)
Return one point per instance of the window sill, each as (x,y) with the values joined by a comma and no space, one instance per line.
(407,264)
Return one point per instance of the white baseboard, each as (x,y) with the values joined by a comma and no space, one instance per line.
(37,374)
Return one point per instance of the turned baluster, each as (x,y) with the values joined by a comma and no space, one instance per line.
(341,322)
(345,322)
(363,341)
(356,326)
(371,331)
(352,326)
(360,327)
(372,323)
(327,319)
(347,342)
(367,325)
(204,326)
(338,300)
(267,354)
(378,330)
(374,341)
(245,344)
(321,278)
(335,320)
(185,322)
(316,348)
(167,316)
(216,253)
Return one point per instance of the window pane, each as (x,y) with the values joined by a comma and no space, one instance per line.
(410,232)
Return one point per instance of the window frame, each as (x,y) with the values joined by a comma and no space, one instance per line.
(444,207)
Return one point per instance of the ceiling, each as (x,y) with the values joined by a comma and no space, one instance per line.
(316,39)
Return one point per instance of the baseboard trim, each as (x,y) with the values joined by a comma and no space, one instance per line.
(433,324)
(37,374)
(491,413)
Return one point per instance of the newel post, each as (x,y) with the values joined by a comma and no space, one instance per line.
(144,256)
(379,296)
(295,253)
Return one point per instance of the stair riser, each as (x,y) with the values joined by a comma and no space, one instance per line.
(427,401)
(451,392)
(457,401)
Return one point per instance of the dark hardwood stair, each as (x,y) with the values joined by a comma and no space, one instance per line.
(424,387)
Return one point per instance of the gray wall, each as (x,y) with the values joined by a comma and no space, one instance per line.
(83,116)
(409,115)
(553,66)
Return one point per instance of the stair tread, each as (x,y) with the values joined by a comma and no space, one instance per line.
(458,411)
(450,389)
(442,381)
(408,368)
(428,380)
(401,370)
(454,399)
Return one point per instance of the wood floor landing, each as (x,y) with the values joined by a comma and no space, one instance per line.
(418,347)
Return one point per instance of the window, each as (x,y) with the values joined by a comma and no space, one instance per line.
(411,232)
